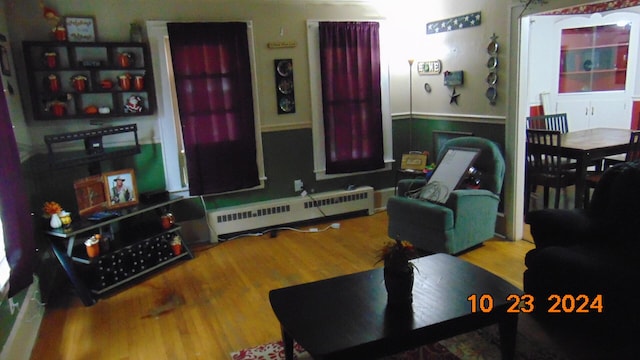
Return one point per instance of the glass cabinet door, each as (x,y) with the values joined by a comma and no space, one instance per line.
(594,58)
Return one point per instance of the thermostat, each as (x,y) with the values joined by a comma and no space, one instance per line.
(429,67)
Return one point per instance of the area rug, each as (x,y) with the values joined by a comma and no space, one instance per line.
(531,344)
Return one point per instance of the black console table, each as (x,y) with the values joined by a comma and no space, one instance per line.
(134,244)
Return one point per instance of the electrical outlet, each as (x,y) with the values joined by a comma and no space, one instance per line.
(298,185)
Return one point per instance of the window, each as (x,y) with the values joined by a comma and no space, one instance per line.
(356,124)
(189,104)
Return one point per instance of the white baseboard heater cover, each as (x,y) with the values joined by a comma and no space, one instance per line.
(272,213)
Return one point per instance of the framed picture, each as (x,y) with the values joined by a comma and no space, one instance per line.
(90,195)
(80,28)
(413,161)
(120,188)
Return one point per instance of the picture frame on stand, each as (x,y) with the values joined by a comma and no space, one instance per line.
(90,195)
(120,188)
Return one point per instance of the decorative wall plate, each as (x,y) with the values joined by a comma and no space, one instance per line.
(492,78)
(284,68)
(286,104)
(492,48)
(285,86)
(492,95)
(492,63)
(427,87)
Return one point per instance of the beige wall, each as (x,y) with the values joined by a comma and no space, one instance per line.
(458,50)
(286,20)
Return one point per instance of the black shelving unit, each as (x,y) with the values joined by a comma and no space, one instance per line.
(100,65)
(134,246)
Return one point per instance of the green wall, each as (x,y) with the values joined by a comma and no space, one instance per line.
(288,155)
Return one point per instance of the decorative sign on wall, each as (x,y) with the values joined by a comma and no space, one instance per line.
(281,44)
(454,23)
(432,67)
(453,78)
(81,29)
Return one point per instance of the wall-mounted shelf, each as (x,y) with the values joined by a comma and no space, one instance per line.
(110,72)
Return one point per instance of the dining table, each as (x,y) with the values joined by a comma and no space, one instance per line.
(588,145)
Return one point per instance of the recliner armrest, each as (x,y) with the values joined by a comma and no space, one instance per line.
(419,211)
(407,185)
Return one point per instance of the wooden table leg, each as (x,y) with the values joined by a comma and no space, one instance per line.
(287,340)
(508,331)
(581,182)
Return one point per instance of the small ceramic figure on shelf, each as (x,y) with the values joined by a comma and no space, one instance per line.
(134,104)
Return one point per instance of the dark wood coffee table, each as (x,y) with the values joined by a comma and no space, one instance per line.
(347,317)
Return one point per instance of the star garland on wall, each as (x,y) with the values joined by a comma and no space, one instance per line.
(454,23)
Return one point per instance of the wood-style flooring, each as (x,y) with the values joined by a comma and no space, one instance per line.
(218,302)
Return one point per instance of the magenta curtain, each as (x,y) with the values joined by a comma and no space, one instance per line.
(351,98)
(213,82)
(14,207)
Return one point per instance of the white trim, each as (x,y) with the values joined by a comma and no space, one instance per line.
(476,118)
(5,270)
(165,90)
(25,328)
(470,118)
(288,126)
(315,82)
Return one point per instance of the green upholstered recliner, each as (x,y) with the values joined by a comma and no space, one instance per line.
(468,217)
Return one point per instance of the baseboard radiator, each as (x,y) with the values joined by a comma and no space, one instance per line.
(290,210)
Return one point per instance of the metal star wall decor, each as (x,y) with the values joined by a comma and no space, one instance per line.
(454,97)
(454,23)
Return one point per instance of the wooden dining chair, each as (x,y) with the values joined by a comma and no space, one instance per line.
(545,165)
(556,122)
(593,177)
(615,159)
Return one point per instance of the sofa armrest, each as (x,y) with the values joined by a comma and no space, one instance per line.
(559,227)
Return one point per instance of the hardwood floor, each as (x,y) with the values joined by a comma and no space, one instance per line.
(217,303)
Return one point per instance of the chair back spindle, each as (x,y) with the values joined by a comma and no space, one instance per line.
(556,122)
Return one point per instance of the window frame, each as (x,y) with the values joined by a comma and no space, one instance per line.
(315,83)
(173,154)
